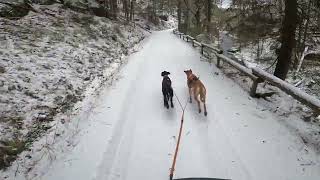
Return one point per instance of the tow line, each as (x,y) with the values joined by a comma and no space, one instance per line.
(177,148)
(179,138)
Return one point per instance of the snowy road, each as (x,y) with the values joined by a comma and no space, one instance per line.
(131,136)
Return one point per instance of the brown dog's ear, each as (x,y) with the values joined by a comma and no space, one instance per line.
(190,70)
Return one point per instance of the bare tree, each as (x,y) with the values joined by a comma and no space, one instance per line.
(287,39)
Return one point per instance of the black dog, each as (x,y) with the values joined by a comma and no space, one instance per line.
(167,90)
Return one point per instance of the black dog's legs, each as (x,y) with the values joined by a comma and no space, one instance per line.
(165,101)
(171,96)
(171,102)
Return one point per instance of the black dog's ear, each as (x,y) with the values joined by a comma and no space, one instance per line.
(165,73)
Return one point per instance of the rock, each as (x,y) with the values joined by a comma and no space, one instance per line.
(18,10)
(42,117)
(19,124)
(87,78)
(58,99)
(11,88)
(80,62)
(307,118)
(31,94)
(79,71)
(46,66)
(70,86)
(45,127)
(71,98)
(99,11)
(2,70)
(164,17)
(114,37)
(26,79)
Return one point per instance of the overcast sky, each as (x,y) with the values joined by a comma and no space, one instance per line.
(226,3)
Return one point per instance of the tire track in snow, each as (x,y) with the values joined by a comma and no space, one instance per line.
(122,135)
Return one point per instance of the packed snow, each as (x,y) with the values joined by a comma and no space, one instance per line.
(126,133)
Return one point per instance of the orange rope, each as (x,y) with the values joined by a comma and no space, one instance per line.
(179,138)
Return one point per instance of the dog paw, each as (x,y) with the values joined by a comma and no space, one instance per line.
(205,113)
(199,111)
(172,106)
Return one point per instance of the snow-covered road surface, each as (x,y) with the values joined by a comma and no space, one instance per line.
(131,136)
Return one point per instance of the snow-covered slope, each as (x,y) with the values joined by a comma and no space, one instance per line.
(48,60)
(130,135)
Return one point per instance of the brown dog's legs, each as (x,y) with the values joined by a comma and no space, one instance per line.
(205,108)
(198,101)
(203,100)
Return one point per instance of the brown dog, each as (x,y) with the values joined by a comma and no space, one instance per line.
(199,91)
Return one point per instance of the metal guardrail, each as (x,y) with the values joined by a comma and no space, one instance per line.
(256,75)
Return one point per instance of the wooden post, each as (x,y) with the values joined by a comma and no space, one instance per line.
(218,61)
(202,46)
(187,38)
(192,43)
(254,86)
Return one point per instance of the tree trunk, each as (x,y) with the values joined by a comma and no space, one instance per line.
(126,9)
(132,9)
(287,39)
(113,8)
(318,18)
(298,44)
(197,15)
(187,17)
(179,15)
(209,9)
(306,28)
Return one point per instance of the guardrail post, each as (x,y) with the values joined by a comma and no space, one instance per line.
(202,46)
(218,62)
(192,43)
(187,38)
(180,35)
(253,89)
